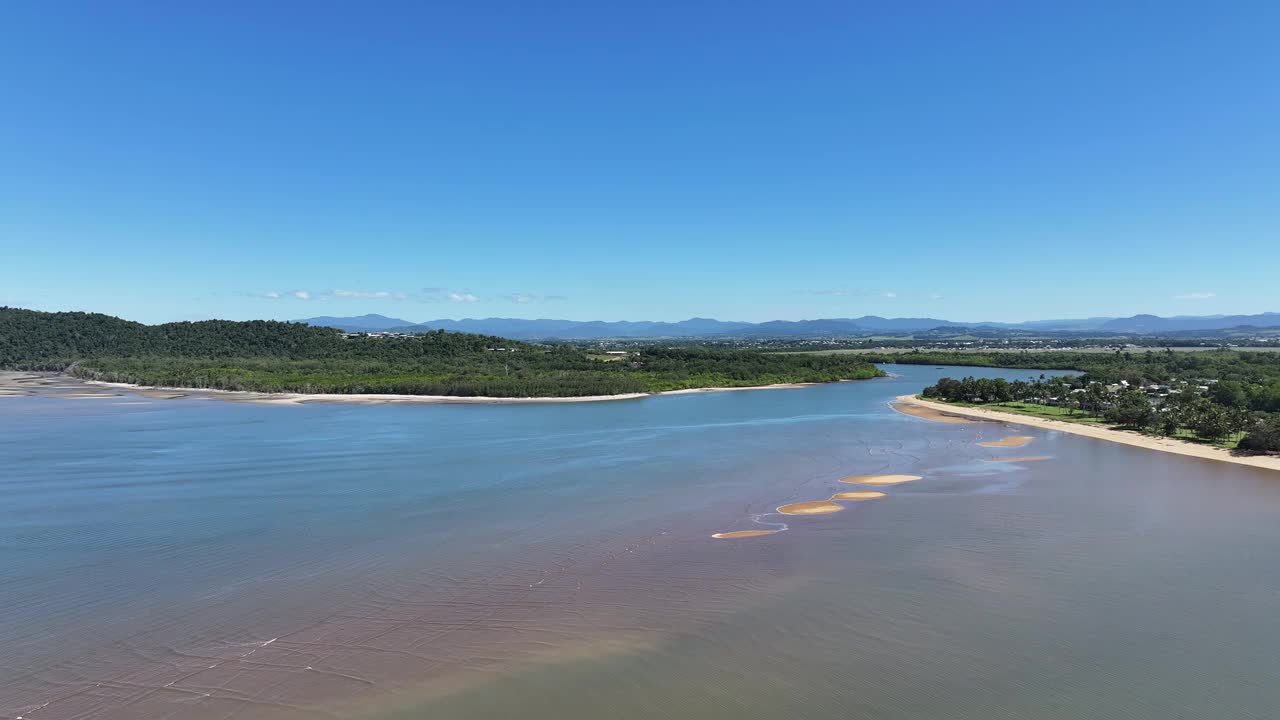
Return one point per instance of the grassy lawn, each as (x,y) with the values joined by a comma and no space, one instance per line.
(1188,436)
(1041,411)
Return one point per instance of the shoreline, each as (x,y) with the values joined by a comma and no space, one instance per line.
(1124,437)
(293,398)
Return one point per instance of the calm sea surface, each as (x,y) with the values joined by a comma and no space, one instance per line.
(207,559)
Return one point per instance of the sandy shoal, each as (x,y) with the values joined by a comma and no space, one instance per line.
(858,495)
(813,507)
(1124,437)
(1012,441)
(879,479)
(930,413)
(736,534)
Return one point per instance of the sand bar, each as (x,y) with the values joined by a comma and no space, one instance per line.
(736,534)
(879,479)
(858,495)
(1012,441)
(1124,437)
(929,413)
(814,507)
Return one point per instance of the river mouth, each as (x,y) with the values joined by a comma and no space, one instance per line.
(182,558)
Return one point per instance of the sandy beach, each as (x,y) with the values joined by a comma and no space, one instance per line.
(1124,437)
(16,384)
(376,398)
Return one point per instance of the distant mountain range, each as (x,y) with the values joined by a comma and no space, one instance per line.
(520,329)
(360,323)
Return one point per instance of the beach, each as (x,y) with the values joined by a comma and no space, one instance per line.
(1126,437)
(13,384)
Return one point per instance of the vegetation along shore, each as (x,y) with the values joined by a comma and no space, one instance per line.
(279,357)
(1221,405)
(1099,432)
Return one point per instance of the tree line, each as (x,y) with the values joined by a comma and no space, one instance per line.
(1214,412)
(1245,379)
(270,356)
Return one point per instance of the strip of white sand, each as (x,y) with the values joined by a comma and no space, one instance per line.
(378,398)
(1124,437)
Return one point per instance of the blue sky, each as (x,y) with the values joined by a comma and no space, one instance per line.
(748,161)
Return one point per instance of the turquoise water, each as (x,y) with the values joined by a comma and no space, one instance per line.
(196,558)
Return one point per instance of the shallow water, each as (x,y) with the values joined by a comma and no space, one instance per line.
(203,559)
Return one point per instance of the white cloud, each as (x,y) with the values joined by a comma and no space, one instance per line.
(361,294)
(425,295)
(432,294)
(327,294)
(526,298)
(889,295)
(934,296)
(1196,296)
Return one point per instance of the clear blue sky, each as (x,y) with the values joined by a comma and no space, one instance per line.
(647,160)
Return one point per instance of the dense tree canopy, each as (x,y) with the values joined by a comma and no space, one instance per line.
(1263,436)
(1250,379)
(276,356)
(1214,396)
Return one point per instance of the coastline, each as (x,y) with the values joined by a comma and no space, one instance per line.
(1123,437)
(388,398)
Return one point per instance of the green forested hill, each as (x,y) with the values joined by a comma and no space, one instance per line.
(39,340)
(274,356)
(36,340)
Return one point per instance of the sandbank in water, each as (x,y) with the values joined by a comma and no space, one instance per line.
(1010,442)
(929,413)
(858,495)
(813,507)
(879,479)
